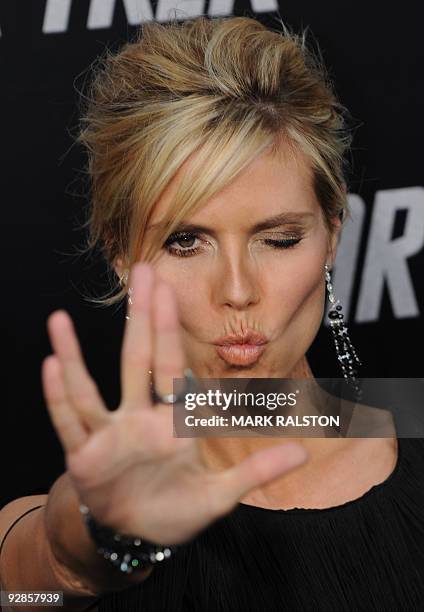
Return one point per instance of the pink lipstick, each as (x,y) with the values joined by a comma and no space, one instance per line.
(241,349)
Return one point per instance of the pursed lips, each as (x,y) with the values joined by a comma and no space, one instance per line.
(241,349)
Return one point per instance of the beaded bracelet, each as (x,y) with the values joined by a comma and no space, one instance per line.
(126,553)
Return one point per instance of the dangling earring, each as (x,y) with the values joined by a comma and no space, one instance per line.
(129,300)
(123,281)
(346,353)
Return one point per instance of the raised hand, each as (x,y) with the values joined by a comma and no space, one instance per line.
(126,465)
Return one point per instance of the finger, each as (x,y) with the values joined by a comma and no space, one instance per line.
(168,355)
(258,469)
(80,387)
(137,343)
(65,420)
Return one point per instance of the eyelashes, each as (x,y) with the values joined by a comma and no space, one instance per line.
(188,250)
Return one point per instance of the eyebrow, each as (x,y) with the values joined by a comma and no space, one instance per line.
(283,218)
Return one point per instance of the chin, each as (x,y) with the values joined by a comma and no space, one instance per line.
(248,371)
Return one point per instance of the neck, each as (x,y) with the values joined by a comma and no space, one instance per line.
(223,452)
(301,370)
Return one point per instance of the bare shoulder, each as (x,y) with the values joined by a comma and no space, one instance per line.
(16,508)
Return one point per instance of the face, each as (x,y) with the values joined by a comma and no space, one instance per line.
(248,269)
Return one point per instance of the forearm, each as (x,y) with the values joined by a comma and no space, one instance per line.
(50,549)
(27,565)
(73,549)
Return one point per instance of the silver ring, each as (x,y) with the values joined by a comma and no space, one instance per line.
(174,398)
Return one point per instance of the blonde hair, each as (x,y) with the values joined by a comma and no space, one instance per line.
(223,88)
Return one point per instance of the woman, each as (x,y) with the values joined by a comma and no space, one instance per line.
(216,158)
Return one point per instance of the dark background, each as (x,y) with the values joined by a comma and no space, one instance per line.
(375,56)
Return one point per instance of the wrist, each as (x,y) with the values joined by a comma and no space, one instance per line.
(72,552)
(126,553)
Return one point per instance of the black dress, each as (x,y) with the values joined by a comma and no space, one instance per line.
(366,554)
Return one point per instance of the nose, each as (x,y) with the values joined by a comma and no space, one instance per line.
(236,282)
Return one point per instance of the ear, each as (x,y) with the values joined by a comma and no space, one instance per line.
(333,240)
(336,226)
(119,268)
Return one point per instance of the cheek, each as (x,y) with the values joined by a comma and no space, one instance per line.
(189,289)
(297,285)
(296,308)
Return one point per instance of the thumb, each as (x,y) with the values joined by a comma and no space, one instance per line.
(260,468)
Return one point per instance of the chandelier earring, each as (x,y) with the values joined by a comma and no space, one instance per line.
(346,353)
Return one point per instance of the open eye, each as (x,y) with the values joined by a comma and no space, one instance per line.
(185,240)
